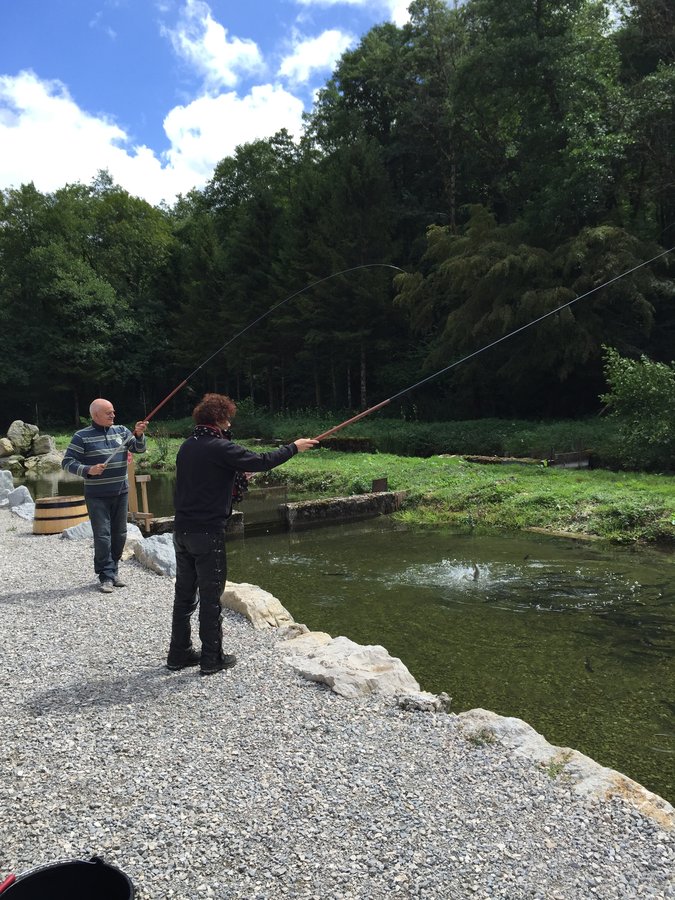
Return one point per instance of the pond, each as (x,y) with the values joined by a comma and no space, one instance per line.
(576,638)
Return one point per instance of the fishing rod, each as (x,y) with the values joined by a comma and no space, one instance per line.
(243,331)
(494,343)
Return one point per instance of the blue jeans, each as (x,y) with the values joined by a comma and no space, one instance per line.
(108,516)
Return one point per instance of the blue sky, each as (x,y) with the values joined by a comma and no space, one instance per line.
(158,91)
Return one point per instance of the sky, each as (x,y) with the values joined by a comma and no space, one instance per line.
(159,91)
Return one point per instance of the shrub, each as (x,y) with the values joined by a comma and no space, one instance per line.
(641,398)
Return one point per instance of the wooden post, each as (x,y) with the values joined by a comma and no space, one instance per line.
(134,480)
(146,515)
(133,493)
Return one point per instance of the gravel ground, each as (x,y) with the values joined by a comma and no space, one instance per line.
(256,784)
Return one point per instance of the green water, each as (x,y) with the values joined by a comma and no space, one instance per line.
(575,638)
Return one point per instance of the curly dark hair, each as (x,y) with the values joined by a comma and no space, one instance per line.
(213,409)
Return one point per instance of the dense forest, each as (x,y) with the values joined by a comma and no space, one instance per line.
(507,156)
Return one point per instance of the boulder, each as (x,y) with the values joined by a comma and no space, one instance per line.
(353,670)
(6,480)
(425,702)
(304,644)
(21,435)
(13,464)
(49,462)
(6,447)
(261,608)
(157,554)
(134,537)
(42,444)
(24,511)
(588,777)
(19,496)
(78,532)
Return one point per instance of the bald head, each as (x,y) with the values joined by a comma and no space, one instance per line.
(102,412)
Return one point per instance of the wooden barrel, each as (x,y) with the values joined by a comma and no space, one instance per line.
(54,514)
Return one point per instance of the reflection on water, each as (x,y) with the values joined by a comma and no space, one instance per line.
(575,638)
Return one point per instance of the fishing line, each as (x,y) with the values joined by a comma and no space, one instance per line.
(243,331)
(494,343)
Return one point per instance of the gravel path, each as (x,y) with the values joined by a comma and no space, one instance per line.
(256,784)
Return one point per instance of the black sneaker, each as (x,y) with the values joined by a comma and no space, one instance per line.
(183,659)
(226,661)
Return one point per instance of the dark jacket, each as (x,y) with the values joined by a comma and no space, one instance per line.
(205,470)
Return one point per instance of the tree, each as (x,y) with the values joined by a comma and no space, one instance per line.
(642,397)
(537,99)
(488,282)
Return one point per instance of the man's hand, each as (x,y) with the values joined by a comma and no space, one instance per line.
(139,429)
(98,469)
(305,444)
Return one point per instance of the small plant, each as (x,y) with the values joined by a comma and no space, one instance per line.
(481,738)
(556,765)
(161,437)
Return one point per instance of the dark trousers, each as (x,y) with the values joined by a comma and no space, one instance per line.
(201,573)
(108,517)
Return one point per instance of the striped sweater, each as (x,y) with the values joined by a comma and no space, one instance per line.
(94,444)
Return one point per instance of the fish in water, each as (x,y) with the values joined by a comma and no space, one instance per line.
(476,572)
(587,664)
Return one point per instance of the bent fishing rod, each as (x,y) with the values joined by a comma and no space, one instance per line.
(243,331)
(494,343)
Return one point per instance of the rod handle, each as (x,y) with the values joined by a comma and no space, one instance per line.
(361,415)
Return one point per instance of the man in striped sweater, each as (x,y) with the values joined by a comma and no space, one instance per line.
(106,488)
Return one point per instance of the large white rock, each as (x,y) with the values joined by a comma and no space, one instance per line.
(19,496)
(157,554)
(134,536)
(78,532)
(6,480)
(306,643)
(261,608)
(24,510)
(587,776)
(352,670)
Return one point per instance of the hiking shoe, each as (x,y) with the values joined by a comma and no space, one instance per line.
(106,587)
(226,661)
(117,582)
(183,659)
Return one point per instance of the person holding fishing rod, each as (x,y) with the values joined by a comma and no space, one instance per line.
(98,454)
(206,466)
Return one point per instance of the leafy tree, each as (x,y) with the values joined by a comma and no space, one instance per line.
(536,98)
(487,282)
(642,397)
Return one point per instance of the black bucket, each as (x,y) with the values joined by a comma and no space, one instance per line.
(71,880)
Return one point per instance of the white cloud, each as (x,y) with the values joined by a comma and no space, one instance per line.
(209,128)
(204,44)
(397,10)
(314,54)
(46,138)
